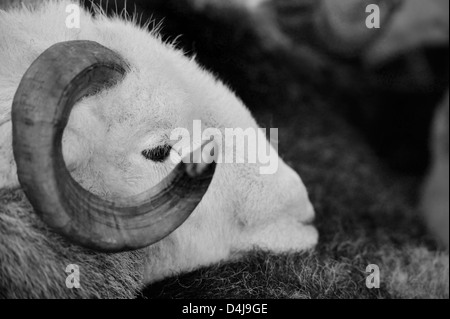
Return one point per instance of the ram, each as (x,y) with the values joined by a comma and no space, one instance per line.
(97,189)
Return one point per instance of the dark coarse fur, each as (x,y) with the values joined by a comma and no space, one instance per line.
(33,260)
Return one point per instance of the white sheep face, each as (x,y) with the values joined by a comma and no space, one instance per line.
(108,132)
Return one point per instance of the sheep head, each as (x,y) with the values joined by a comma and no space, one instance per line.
(89,174)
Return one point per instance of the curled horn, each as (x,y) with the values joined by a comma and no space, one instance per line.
(54,83)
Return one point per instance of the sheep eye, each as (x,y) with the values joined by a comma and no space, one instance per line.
(158,154)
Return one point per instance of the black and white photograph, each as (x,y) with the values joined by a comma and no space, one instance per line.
(213,157)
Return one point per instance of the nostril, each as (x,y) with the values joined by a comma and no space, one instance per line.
(309,221)
(299,206)
(297,203)
(308,217)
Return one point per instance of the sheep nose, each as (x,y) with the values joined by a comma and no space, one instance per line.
(298,203)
